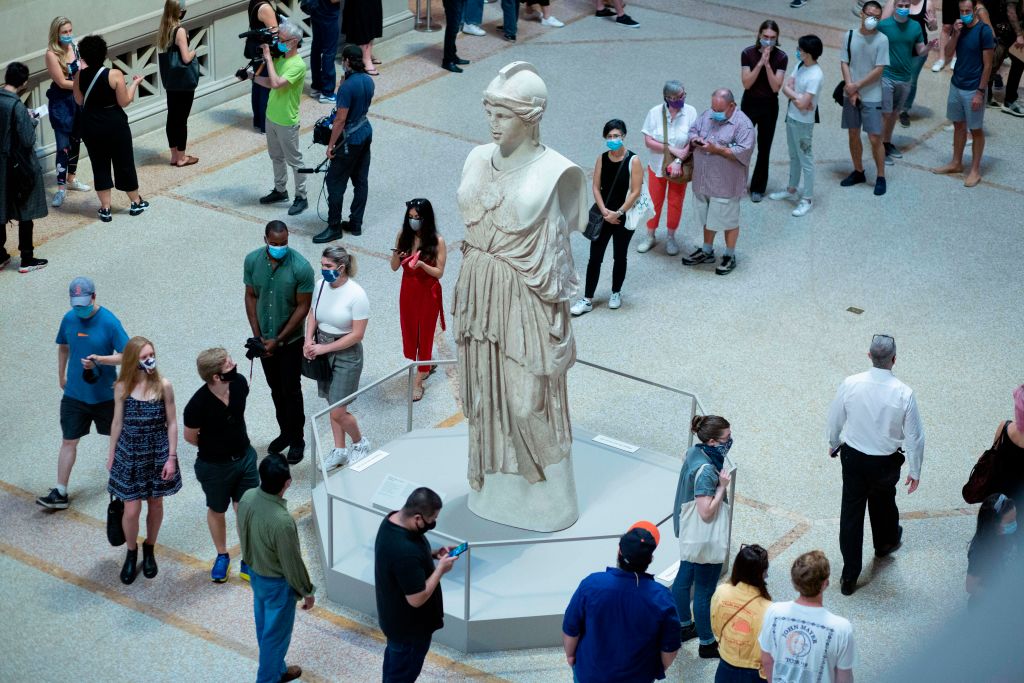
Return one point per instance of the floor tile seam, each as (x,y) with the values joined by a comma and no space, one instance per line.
(666,39)
(788,539)
(915,515)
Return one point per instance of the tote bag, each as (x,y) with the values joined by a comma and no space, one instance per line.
(175,74)
(642,209)
(699,541)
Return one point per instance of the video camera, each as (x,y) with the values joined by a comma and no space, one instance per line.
(253,39)
(260,36)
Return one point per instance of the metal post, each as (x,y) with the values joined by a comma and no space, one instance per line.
(732,509)
(465,606)
(425,26)
(693,413)
(408,420)
(330,529)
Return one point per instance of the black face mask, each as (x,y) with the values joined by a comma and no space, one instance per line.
(181,15)
(229,375)
(427,526)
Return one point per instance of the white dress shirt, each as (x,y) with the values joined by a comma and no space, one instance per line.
(876,413)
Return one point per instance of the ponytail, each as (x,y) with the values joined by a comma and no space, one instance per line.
(708,427)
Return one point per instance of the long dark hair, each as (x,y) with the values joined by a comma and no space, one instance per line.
(749,567)
(354,56)
(428,230)
(772,26)
(990,520)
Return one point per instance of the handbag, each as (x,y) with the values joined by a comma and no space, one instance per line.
(839,91)
(981,483)
(699,541)
(319,368)
(595,219)
(175,74)
(115,511)
(642,209)
(667,160)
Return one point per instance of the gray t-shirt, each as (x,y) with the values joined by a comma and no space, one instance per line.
(866,52)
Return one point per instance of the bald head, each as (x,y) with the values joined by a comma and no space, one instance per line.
(723,94)
(723,104)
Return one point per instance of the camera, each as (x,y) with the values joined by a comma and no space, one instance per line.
(260,36)
(254,348)
(253,40)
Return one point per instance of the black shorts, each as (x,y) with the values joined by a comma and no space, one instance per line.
(950,12)
(77,416)
(224,482)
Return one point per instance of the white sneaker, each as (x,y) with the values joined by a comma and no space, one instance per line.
(580,307)
(336,458)
(671,248)
(645,244)
(803,207)
(782,194)
(78,186)
(473,30)
(952,64)
(615,300)
(58,197)
(552,22)
(360,450)
(937,66)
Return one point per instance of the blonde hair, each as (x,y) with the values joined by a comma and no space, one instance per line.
(132,375)
(211,362)
(344,259)
(55,46)
(169,23)
(809,573)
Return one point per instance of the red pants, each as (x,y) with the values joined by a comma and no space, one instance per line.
(676,193)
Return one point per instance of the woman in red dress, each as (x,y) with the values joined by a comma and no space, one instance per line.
(421,253)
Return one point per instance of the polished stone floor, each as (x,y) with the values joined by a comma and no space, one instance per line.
(932,263)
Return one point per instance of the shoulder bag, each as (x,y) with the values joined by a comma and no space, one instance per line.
(837,94)
(643,207)
(115,511)
(703,542)
(175,74)
(319,368)
(596,219)
(983,479)
(667,158)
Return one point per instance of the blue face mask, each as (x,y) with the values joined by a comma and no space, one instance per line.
(614,145)
(1010,528)
(967,19)
(277,252)
(767,42)
(718,116)
(66,40)
(281,48)
(903,11)
(718,451)
(329,275)
(83,311)
(799,57)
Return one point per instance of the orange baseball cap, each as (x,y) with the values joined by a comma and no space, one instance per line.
(649,528)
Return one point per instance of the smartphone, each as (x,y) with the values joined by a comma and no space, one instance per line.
(697,142)
(459,549)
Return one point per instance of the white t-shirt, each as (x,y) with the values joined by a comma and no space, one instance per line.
(336,307)
(678,132)
(807,644)
(808,80)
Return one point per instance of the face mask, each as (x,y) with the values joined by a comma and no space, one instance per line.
(676,104)
(799,57)
(277,252)
(83,311)
(767,42)
(718,451)
(66,40)
(229,375)
(1009,528)
(870,23)
(718,116)
(613,145)
(149,365)
(281,48)
(427,526)
(903,12)
(329,275)
(416,223)
(967,19)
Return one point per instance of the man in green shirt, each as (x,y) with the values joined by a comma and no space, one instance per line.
(277,574)
(286,72)
(278,290)
(906,43)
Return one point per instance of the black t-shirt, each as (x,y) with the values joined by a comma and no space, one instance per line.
(777,61)
(222,433)
(402,564)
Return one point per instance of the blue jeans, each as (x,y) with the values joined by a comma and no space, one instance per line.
(350,161)
(918,65)
(727,673)
(703,578)
(403,659)
(326,31)
(473,12)
(259,98)
(273,604)
(510,16)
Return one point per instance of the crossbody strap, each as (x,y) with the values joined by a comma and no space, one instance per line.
(615,180)
(738,611)
(94,79)
(318,295)
(664,129)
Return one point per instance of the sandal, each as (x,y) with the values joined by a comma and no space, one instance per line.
(372,72)
(375,60)
(417,393)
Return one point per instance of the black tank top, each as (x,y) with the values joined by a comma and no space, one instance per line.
(614,197)
(919,18)
(1010,466)
(102,95)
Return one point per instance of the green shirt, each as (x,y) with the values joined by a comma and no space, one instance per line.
(277,288)
(270,540)
(903,39)
(283,105)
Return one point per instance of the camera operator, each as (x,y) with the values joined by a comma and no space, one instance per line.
(349,148)
(286,73)
(261,15)
(278,291)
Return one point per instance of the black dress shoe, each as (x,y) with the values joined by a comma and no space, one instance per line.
(451,66)
(461,61)
(847,586)
(888,550)
(296,452)
(329,234)
(149,568)
(278,445)
(347,227)
(128,570)
(708,651)
(688,633)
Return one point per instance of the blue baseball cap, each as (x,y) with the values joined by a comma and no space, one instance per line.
(81,291)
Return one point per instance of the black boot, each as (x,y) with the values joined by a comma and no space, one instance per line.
(148,561)
(128,571)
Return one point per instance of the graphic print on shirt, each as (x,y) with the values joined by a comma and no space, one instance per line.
(801,638)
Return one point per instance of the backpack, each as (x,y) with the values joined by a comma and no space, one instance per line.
(984,474)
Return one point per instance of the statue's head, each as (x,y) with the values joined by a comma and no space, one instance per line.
(515,102)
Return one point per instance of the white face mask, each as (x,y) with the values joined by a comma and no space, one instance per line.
(870,23)
(416,223)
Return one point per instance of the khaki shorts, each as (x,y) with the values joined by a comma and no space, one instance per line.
(717,213)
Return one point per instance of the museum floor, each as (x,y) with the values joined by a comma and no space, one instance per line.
(932,263)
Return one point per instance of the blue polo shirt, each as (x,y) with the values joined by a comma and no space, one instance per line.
(624,622)
(355,94)
(102,334)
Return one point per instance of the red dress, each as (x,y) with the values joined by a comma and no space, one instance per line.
(419,305)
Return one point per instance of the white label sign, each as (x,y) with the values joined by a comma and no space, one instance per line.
(394,491)
(615,443)
(371,459)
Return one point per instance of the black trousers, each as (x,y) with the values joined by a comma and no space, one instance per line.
(283,371)
(349,162)
(179,105)
(452,20)
(868,480)
(24,241)
(1013,80)
(620,238)
(764,114)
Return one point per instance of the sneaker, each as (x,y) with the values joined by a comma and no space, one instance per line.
(105,215)
(855,178)
(879,187)
(727,265)
(606,12)
(688,632)
(219,572)
(360,450)
(298,206)
(278,445)
(325,98)
(796,4)
(699,256)
(296,452)
(802,208)
(708,651)
(937,66)
(671,248)
(889,161)
(28,265)
(645,244)
(580,307)
(328,234)
(782,194)
(615,300)
(1013,109)
(757,197)
(78,186)
(627,21)
(137,209)
(338,457)
(892,151)
(58,197)
(994,103)
(243,571)
(274,197)
(53,501)
(905,119)
(552,22)
(473,30)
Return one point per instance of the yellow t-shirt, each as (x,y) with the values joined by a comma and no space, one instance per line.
(738,643)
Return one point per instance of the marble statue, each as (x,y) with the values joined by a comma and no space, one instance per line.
(520,200)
